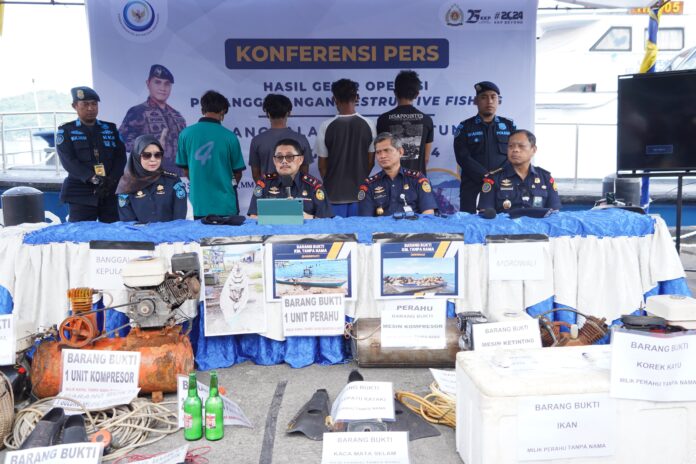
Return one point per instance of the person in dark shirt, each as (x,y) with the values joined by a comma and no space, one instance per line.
(277,109)
(517,183)
(413,127)
(480,143)
(94,155)
(147,193)
(394,189)
(345,150)
(288,159)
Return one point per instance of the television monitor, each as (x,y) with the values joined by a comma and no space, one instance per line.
(656,123)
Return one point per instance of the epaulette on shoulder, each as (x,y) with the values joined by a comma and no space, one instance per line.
(372,179)
(542,170)
(270,175)
(169,174)
(413,173)
(493,172)
(312,181)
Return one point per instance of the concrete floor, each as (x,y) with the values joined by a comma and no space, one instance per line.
(253,388)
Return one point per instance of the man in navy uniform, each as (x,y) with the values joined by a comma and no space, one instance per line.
(480,143)
(94,155)
(156,117)
(519,184)
(287,158)
(394,189)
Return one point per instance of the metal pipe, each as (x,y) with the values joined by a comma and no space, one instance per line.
(2,143)
(31,146)
(577,151)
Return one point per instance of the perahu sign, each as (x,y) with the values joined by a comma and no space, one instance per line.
(313,315)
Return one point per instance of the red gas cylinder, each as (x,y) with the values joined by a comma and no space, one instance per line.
(164,354)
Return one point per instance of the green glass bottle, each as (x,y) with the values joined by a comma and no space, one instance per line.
(193,411)
(213,411)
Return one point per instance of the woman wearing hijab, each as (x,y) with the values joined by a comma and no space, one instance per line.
(146,193)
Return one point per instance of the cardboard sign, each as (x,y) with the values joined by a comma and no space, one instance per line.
(8,340)
(363,401)
(517,261)
(565,426)
(446,380)
(653,367)
(172,457)
(362,447)
(509,334)
(75,453)
(232,413)
(106,260)
(99,379)
(414,323)
(313,315)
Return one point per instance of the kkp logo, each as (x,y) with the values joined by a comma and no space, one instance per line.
(140,19)
(138,16)
(454,16)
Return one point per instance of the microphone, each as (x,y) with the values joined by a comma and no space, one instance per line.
(407,209)
(286,181)
(488,213)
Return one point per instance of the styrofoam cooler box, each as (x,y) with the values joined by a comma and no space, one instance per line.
(490,384)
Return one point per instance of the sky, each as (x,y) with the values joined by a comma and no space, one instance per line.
(49,44)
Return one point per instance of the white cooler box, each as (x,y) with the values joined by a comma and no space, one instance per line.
(487,399)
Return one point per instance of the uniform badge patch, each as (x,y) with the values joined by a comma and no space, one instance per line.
(406,187)
(139,194)
(304,193)
(180,190)
(122,199)
(320,194)
(59,139)
(160,189)
(506,182)
(426,187)
(502,126)
(486,187)
(258,191)
(458,129)
(361,195)
(537,180)
(507,204)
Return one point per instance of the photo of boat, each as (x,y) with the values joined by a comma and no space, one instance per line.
(410,285)
(314,276)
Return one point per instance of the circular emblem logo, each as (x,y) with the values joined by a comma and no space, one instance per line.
(138,15)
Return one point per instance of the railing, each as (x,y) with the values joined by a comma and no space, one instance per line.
(7,134)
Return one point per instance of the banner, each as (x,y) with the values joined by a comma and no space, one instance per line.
(247,49)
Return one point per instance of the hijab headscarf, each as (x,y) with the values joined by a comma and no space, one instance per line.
(135,176)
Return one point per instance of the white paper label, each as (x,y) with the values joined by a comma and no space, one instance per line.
(414,323)
(565,426)
(364,400)
(105,267)
(446,380)
(74,453)
(362,447)
(653,367)
(232,413)
(313,315)
(517,261)
(99,379)
(172,457)
(8,341)
(509,334)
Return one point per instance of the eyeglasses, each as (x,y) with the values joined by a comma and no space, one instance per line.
(286,158)
(147,155)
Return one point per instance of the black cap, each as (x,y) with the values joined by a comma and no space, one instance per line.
(486,85)
(83,93)
(161,72)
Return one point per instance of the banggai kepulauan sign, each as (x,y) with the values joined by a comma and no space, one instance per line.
(308,266)
(418,265)
(234,300)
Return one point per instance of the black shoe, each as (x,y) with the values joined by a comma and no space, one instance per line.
(74,430)
(46,431)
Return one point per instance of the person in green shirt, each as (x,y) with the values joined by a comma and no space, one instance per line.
(211,158)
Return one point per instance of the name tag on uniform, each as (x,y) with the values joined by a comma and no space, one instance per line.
(538,202)
(99,169)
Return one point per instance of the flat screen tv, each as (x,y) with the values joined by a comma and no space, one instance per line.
(656,124)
